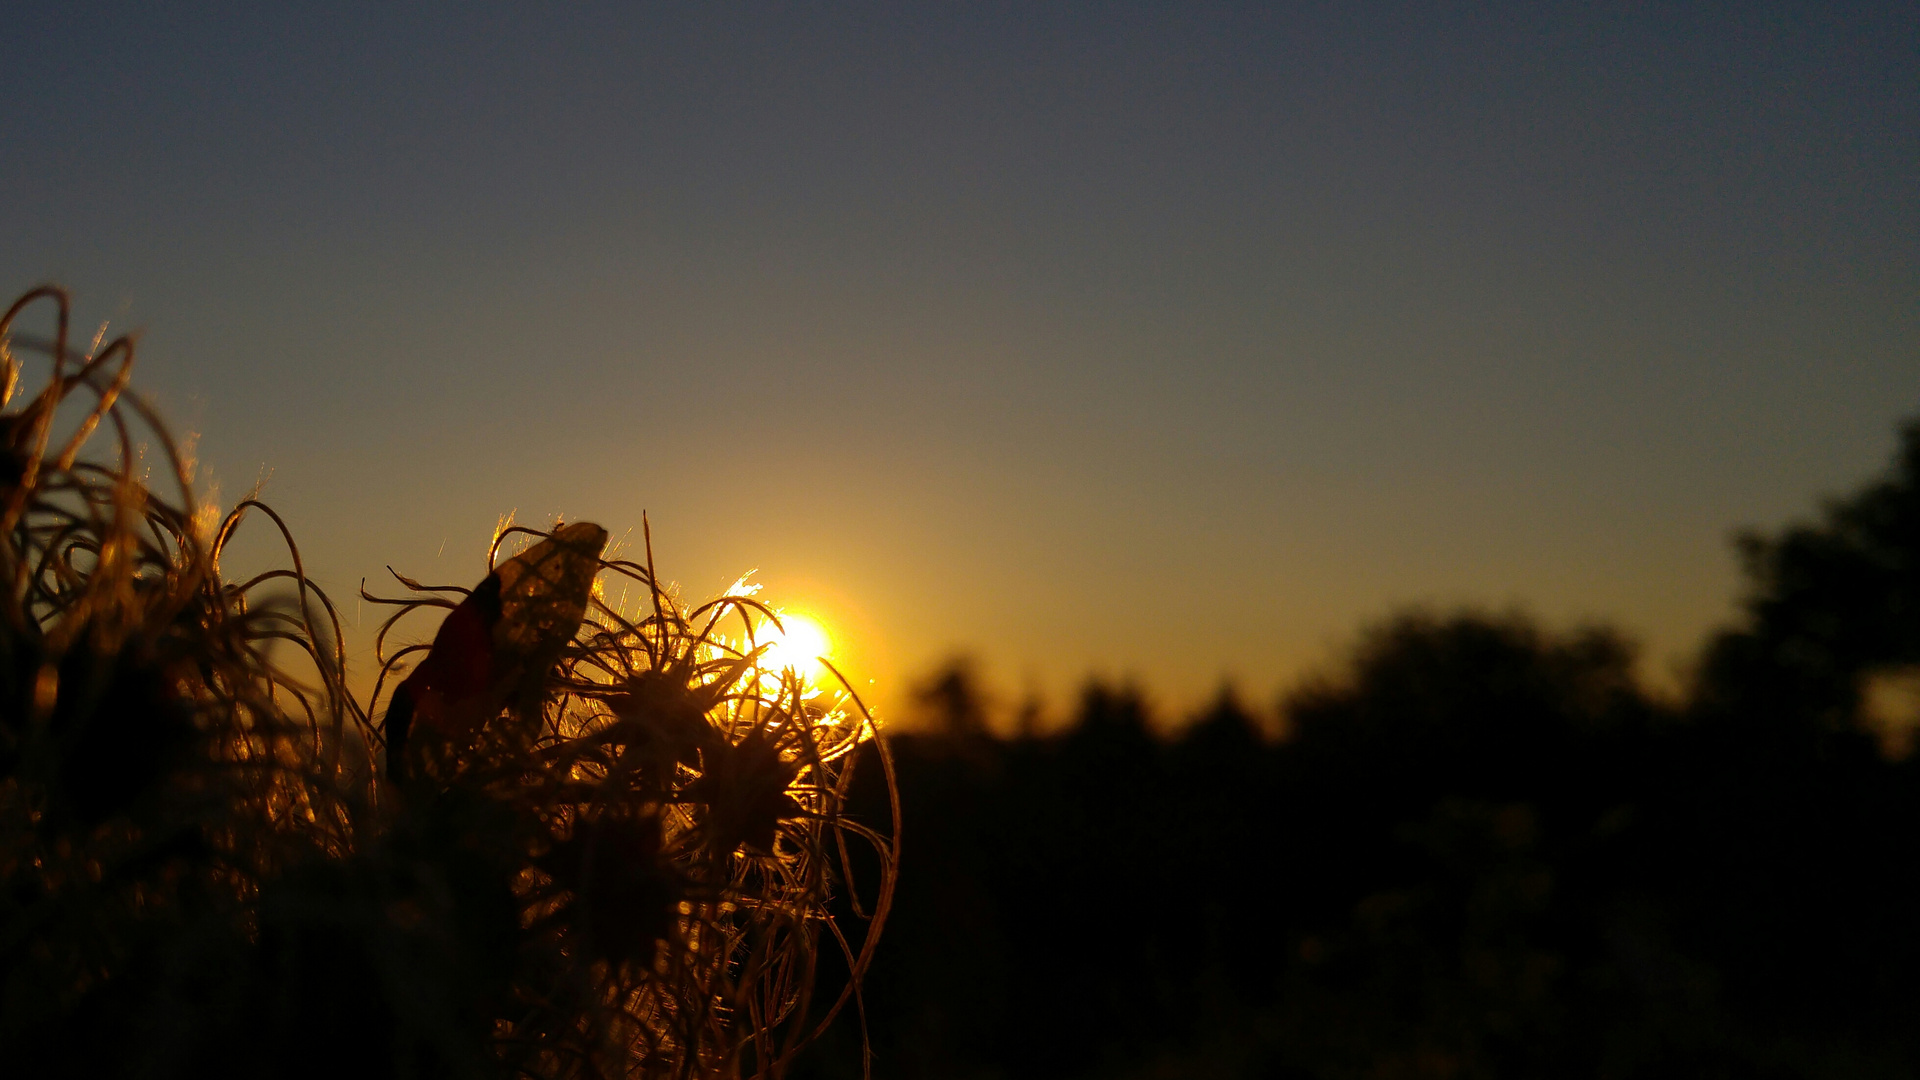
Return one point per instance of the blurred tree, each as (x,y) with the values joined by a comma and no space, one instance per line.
(1827,604)
(1482,850)
(951,701)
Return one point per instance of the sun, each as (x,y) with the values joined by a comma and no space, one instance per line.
(799,646)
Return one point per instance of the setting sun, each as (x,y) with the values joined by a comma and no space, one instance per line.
(799,646)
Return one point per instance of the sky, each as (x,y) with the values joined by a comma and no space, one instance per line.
(1172,343)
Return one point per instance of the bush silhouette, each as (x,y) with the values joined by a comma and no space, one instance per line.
(1482,850)
(1827,603)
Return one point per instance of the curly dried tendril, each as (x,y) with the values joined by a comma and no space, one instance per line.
(559,840)
(674,825)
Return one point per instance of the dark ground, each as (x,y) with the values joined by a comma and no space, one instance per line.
(1483,852)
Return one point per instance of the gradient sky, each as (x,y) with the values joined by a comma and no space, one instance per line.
(1164,342)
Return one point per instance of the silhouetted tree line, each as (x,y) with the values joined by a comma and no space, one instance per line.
(1483,851)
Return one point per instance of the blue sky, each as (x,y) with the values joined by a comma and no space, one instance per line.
(1175,342)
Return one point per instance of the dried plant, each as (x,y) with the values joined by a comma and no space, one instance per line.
(158,762)
(601,844)
(671,806)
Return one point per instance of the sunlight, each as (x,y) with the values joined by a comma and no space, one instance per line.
(800,647)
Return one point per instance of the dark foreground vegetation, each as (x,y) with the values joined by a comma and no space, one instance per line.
(567,841)
(1483,851)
